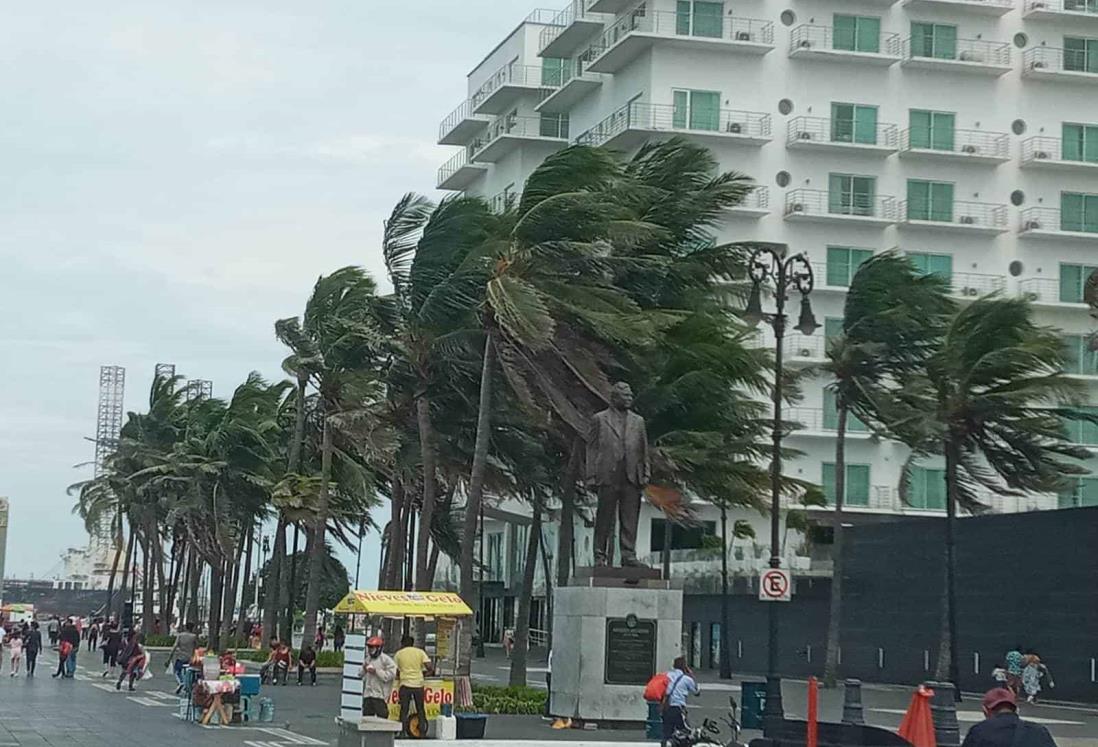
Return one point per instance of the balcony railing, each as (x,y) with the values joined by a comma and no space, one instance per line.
(1088,7)
(757,199)
(966,214)
(1041,290)
(1053,60)
(810,130)
(976,143)
(452,166)
(541,16)
(964,50)
(664,117)
(804,348)
(729,28)
(463,112)
(526,76)
(577,9)
(554,128)
(807,36)
(1049,150)
(1049,220)
(817,420)
(811,202)
(974,285)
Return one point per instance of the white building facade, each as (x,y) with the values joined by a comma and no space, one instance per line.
(963,132)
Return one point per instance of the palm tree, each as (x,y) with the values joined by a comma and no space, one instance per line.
(893,318)
(997,398)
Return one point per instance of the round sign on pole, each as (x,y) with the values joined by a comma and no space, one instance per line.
(775,585)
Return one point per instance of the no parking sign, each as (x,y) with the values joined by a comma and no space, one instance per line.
(775,585)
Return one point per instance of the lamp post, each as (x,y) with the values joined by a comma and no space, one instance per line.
(769,265)
(265,547)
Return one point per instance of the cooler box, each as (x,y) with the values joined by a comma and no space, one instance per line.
(471,725)
(249,684)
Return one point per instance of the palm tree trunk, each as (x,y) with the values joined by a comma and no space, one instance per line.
(946,668)
(272,587)
(195,611)
(125,574)
(427,509)
(316,559)
(568,513)
(147,597)
(217,581)
(835,607)
(243,619)
(725,663)
(396,536)
(116,549)
(232,582)
(522,624)
(469,591)
(290,584)
(546,571)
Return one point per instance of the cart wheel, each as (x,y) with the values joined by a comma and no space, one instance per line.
(415,726)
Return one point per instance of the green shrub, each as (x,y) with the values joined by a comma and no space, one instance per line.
(329,659)
(522,701)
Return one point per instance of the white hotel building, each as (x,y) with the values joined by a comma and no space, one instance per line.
(964,132)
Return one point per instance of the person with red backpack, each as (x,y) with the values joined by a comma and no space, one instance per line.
(680,685)
(64,650)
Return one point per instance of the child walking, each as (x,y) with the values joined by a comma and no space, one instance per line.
(16,654)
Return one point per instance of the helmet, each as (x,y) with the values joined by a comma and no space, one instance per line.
(375,641)
(374,645)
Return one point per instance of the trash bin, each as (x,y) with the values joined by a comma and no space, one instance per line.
(471,725)
(752,704)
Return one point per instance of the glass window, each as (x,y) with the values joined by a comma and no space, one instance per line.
(1073,280)
(927,489)
(851,195)
(698,18)
(931,130)
(554,125)
(833,327)
(932,264)
(1081,6)
(934,40)
(1082,432)
(929,200)
(857,484)
(682,537)
(853,123)
(1080,55)
(831,416)
(552,71)
(714,645)
(1083,493)
(856,33)
(1080,143)
(1080,359)
(696,110)
(1078,212)
(843,262)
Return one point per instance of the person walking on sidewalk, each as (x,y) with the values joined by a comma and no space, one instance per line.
(33,647)
(16,643)
(182,653)
(69,634)
(132,659)
(93,636)
(680,685)
(411,663)
(378,672)
(1015,663)
(53,628)
(1002,726)
(64,649)
(112,645)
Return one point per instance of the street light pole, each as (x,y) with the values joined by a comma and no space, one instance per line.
(769,265)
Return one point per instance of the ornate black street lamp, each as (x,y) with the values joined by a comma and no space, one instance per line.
(770,266)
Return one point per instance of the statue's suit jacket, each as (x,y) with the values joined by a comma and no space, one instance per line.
(606,447)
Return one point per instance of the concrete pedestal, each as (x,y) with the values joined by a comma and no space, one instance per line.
(600,680)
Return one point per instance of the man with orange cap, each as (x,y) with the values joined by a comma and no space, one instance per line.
(378,673)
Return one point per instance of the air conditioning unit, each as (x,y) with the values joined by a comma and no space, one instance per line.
(968,220)
(969,292)
(735,128)
(796,207)
(1032,225)
(804,135)
(743,36)
(804,353)
(1031,296)
(805,44)
(971,57)
(1038,5)
(970,149)
(1037,65)
(1041,155)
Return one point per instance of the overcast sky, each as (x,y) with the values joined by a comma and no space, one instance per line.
(175,175)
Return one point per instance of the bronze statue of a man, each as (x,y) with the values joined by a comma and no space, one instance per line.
(618,469)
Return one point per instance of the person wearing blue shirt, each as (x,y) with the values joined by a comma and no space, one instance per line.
(680,685)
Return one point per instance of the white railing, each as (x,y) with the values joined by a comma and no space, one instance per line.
(576,10)
(961,213)
(974,285)
(820,202)
(965,50)
(1056,60)
(526,76)
(964,142)
(808,130)
(1050,219)
(665,117)
(807,36)
(675,24)
(463,112)
(555,128)
(804,348)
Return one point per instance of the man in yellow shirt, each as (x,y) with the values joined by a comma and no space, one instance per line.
(411,663)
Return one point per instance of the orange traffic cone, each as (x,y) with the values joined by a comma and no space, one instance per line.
(918,725)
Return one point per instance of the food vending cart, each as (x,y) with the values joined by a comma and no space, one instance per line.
(445,612)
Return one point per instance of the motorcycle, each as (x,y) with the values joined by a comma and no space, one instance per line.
(708,734)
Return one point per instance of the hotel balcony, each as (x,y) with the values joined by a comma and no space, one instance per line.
(822,134)
(981,7)
(611,6)
(1048,153)
(573,85)
(506,86)
(755,205)
(1046,292)
(633,34)
(461,125)
(804,350)
(1046,223)
(961,217)
(814,422)
(817,205)
(968,286)
(570,28)
(633,124)
(1062,65)
(969,56)
(459,172)
(508,133)
(965,146)
(1076,11)
(818,43)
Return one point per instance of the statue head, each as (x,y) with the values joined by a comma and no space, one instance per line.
(621,396)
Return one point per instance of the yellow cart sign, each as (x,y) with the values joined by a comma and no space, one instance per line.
(436,692)
(403,604)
